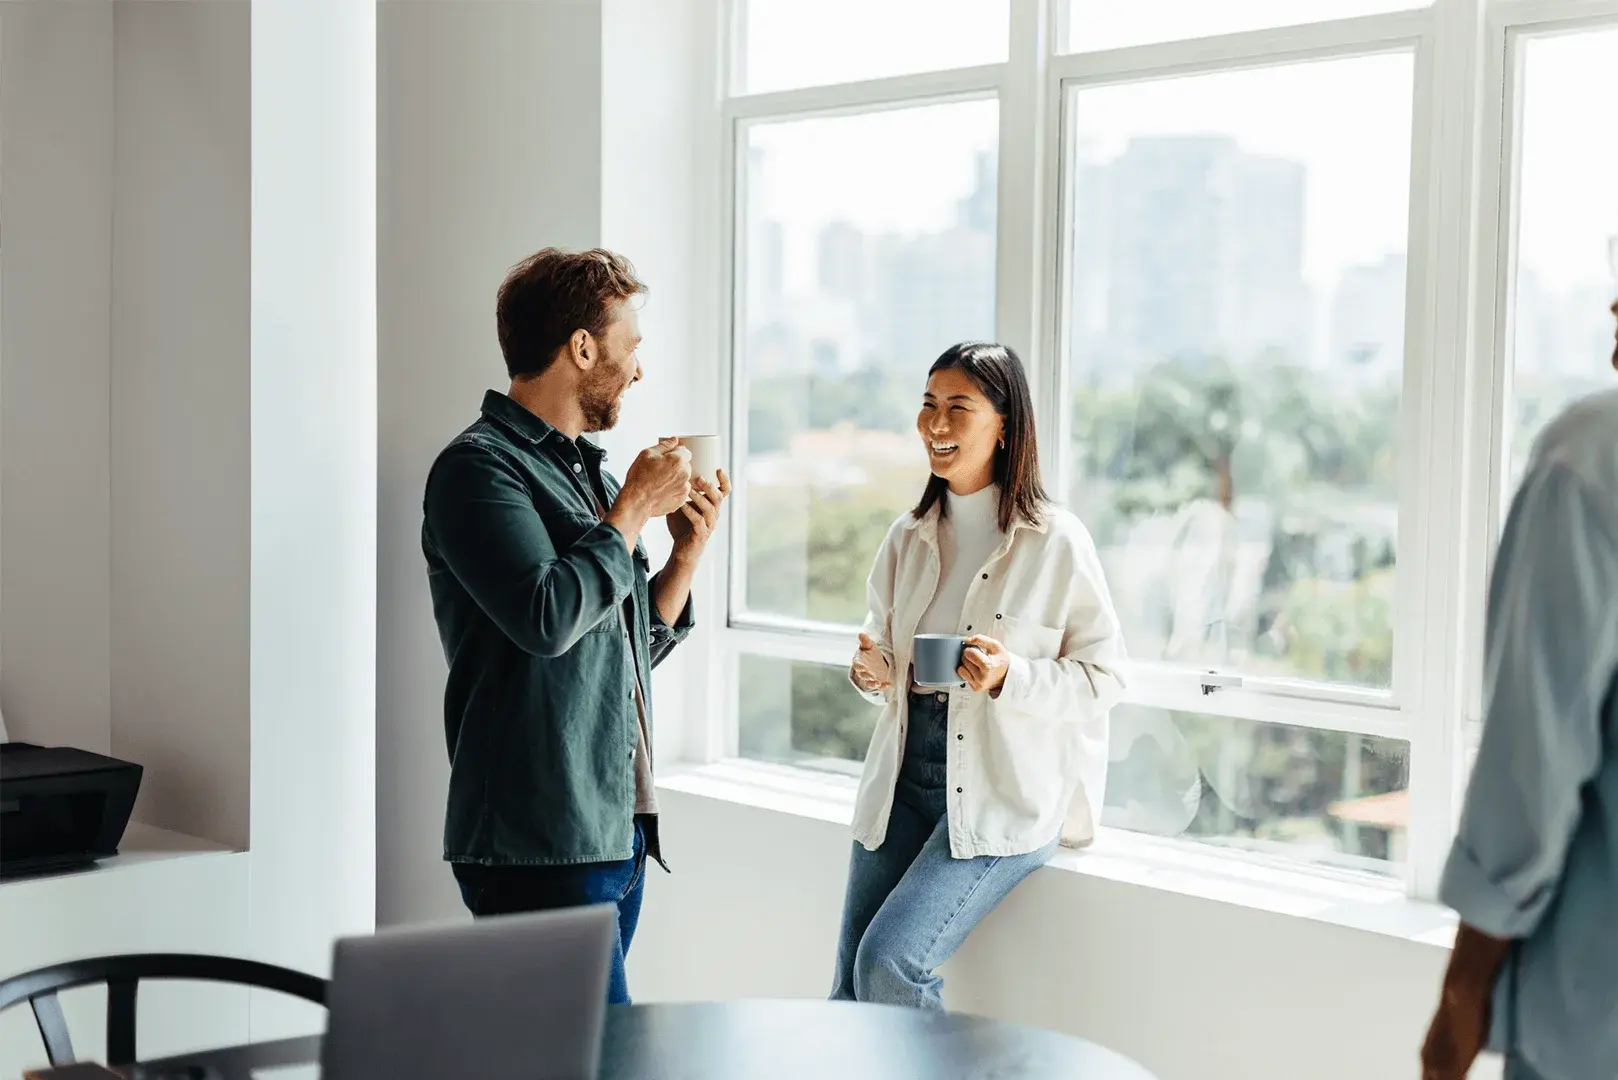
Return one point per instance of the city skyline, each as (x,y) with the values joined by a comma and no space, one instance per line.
(855,279)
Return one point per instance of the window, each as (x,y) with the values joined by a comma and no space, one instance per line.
(1107,24)
(1566,270)
(791,44)
(1289,325)
(1327,796)
(1236,345)
(797,712)
(870,247)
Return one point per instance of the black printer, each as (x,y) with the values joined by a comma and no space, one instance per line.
(61,808)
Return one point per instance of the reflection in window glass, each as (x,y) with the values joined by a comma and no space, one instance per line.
(1236,344)
(868,249)
(1108,24)
(1324,795)
(787,44)
(794,712)
(1240,783)
(1567,236)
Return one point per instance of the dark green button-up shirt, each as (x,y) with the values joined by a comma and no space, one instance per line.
(528,584)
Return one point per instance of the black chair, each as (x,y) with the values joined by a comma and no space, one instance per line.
(123,975)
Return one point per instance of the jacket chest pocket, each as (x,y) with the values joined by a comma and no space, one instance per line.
(1029,639)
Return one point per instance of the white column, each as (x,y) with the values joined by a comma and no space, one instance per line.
(314,477)
(486,156)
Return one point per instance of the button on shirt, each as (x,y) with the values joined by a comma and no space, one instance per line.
(1536,856)
(645,787)
(1032,763)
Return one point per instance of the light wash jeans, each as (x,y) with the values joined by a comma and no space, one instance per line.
(909,904)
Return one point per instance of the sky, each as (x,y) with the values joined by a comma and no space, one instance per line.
(1568,187)
(1348,121)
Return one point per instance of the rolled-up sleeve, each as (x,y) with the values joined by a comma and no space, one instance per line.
(666,637)
(1552,648)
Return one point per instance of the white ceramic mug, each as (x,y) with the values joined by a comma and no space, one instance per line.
(706,457)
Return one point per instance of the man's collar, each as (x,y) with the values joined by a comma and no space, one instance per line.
(529,427)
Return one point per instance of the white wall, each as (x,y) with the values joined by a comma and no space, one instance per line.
(123,401)
(489,149)
(659,206)
(1193,989)
(56,177)
(188,368)
(179,462)
(314,481)
(487,155)
(123,366)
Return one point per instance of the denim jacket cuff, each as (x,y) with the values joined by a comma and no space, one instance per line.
(663,632)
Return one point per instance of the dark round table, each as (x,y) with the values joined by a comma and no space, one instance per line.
(766,1040)
(821,1040)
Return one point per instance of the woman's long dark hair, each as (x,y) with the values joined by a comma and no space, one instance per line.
(998,373)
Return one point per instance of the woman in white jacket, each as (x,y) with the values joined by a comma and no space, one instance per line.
(967,792)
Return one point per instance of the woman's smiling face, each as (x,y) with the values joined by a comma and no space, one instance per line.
(960,430)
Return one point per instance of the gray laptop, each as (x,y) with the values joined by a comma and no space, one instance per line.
(514,997)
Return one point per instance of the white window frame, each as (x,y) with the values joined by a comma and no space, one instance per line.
(1508,26)
(1457,356)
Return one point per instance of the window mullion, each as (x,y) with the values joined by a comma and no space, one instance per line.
(1020,206)
(1442,292)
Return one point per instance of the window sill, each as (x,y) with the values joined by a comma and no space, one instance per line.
(1355,901)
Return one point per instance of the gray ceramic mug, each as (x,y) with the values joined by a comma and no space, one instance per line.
(936,659)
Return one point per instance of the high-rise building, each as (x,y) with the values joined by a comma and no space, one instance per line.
(840,260)
(1184,247)
(937,289)
(1366,338)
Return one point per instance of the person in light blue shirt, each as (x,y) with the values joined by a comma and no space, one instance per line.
(1533,873)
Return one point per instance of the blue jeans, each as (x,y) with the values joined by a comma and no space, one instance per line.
(509,890)
(910,904)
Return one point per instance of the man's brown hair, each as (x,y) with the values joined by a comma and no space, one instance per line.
(553,293)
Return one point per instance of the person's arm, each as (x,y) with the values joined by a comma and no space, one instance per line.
(657,474)
(691,527)
(671,591)
(1550,660)
(1550,657)
(1086,678)
(879,616)
(482,521)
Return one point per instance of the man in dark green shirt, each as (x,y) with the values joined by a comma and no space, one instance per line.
(550,618)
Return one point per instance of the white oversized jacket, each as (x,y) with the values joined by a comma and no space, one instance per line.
(1031,763)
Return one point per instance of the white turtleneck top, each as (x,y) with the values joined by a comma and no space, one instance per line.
(967,536)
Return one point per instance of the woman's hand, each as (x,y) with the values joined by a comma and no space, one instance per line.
(871,669)
(984,664)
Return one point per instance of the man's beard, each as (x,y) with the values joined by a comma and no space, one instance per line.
(599,400)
